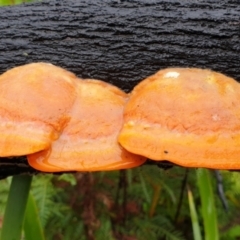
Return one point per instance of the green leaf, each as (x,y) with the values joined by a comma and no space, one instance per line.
(194,217)
(208,206)
(32,225)
(15,209)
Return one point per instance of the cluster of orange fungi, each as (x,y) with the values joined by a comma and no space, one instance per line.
(188,116)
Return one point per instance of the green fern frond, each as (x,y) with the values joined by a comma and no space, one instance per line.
(4,189)
(155,228)
(44,192)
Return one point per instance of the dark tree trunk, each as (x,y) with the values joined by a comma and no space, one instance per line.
(121,42)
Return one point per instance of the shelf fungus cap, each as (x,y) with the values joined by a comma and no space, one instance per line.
(89,140)
(188,116)
(35,100)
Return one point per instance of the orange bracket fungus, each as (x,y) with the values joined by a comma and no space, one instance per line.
(89,140)
(35,100)
(188,116)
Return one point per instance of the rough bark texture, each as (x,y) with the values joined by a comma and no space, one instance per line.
(121,42)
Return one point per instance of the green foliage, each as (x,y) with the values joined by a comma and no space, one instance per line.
(194,217)
(111,205)
(154,228)
(32,225)
(208,209)
(15,207)
(135,204)
(13,2)
(4,190)
(45,194)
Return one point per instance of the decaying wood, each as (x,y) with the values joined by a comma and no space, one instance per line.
(120,42)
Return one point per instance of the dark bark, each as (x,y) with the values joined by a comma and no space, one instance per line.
(122,42)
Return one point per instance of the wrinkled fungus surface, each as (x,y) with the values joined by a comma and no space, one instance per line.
(89,140)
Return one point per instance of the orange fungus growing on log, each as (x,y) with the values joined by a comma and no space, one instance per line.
(35,100)
(89,140)
(188,116)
